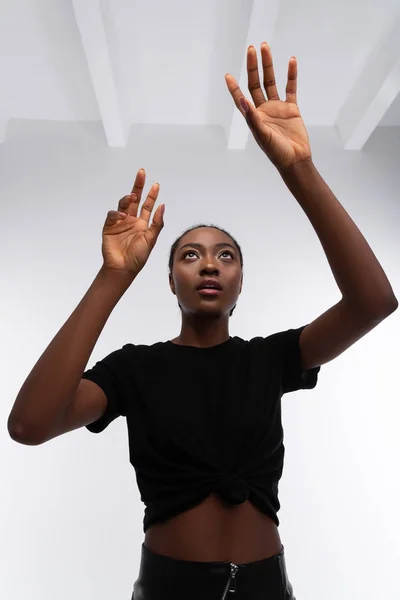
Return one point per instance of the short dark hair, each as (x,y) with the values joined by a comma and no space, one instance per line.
(177,241)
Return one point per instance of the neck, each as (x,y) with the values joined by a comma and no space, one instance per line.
(203,334)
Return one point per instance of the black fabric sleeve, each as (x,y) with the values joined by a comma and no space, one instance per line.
(108,374)
(293,377)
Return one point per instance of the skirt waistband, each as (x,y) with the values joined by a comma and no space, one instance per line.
(161,577)
(205,565)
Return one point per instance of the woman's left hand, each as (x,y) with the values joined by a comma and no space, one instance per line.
(276,125)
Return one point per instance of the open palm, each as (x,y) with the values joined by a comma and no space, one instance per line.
(276,125)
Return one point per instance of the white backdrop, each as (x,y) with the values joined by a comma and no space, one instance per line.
(71,523)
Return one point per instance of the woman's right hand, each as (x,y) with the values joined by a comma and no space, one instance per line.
(127,238)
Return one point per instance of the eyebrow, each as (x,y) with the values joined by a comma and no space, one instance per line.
(197,245)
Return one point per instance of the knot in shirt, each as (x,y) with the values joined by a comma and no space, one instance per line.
(233,489)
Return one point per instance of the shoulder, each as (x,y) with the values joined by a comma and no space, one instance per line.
(278,342)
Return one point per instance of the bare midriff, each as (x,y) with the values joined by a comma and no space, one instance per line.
(216,531)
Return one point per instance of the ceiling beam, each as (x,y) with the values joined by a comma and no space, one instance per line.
(373,92)
(261,28)
(91,27)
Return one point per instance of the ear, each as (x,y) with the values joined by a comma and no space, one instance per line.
(171,284)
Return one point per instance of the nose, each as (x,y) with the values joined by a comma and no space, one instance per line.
(209,270)
(208,266)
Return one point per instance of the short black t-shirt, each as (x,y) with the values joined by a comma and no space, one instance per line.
(203,420)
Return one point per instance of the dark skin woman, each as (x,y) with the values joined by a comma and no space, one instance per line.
(214,530)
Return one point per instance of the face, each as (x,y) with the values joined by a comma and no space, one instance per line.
(206,253)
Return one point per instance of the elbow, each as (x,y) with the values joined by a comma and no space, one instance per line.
(384,308)
(391,306)
(18,433)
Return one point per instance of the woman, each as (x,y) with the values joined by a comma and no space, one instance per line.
(203,409)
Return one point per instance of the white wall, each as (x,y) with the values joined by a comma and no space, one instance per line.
(71,512)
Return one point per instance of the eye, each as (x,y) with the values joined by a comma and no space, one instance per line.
(193,252)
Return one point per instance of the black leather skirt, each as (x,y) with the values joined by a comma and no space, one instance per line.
(164,578)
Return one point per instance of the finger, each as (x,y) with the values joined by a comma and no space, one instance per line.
(156,226)
(139,184)
(235,91)
(253,77)
(129,205)
(112,217)
(149,203)
(269,74)
(291,88)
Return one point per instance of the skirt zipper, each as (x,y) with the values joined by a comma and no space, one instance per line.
(231,584)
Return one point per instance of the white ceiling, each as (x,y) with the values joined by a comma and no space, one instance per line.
(164,61)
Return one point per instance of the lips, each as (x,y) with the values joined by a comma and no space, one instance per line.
(210,284)
(208,292)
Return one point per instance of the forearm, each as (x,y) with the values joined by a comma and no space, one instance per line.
(55,377)
(357,272)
